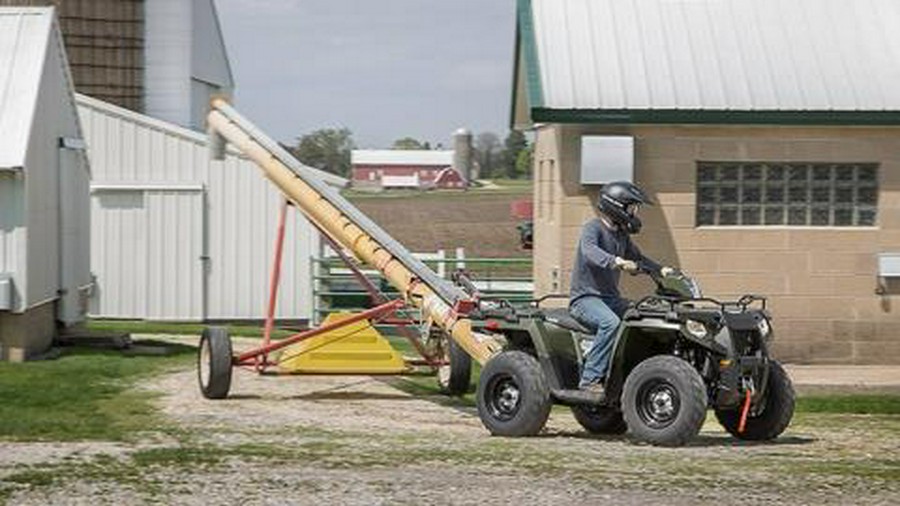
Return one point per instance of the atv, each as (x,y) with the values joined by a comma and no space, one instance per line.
(676,354)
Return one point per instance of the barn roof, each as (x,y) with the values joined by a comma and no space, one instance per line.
(26,35)
(401,157)
(707,61)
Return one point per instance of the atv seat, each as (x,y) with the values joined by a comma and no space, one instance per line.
(560,316)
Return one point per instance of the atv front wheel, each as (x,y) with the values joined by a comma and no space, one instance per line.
(455,377)
(600,420)
(214,363)
(513,397)
(664,401)
(772,417)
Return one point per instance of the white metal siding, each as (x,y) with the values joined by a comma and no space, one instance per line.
(719,54)
(12,233)
(128,149)
(75,235)
(55,117)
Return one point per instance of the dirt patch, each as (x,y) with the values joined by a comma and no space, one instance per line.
(482,224)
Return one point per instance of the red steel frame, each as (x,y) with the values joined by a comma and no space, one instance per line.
(258,358)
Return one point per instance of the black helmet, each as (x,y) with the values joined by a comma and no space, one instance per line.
(620,201)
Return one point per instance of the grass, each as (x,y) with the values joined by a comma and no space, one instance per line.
(145,327)
(83,395)
(881,404)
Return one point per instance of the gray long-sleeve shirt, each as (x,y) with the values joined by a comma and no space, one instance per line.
(594,272)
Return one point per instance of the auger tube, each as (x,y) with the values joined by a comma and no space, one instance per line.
(349,227)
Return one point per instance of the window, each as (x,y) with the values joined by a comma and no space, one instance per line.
(793,194)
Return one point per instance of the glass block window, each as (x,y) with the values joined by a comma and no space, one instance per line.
(792,194)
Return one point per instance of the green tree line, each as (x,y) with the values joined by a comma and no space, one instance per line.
(329,149)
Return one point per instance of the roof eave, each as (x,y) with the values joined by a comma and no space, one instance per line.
(718,117)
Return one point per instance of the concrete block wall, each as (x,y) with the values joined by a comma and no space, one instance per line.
(821,281)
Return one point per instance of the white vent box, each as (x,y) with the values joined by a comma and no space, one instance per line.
(607,158)
(5,292)
(889,265)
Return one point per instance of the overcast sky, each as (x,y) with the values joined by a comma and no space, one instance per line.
(385,69)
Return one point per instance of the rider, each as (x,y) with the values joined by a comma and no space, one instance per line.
(604,250)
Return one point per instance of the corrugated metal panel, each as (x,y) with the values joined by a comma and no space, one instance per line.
(718,54)
(132,150)
(12,231)
(24,36)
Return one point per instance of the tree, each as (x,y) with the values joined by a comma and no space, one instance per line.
(513,146)
(525,162)
(487,151)
(327,149)
(408,143)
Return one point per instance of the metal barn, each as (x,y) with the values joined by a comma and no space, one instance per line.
(44,187)
(179,237)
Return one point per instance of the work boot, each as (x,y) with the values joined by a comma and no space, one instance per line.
(593,392)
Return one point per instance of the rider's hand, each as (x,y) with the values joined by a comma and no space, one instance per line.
(666,271)
(626,265)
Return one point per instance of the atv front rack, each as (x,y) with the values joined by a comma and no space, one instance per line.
(739,306)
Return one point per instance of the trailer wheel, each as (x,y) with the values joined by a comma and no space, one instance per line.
(600,420)
(775,413)
(455,377)
(214,363)
(513,397)
(664,401)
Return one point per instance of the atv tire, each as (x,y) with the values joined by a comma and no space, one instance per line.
(513,398)
(455,377)
(600,420)
(776,414)
(664,401)
(214,363)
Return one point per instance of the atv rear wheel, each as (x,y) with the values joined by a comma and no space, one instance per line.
(214,363)
(774,414)
(455,377)
(664,401)
(513,397)
(600,420)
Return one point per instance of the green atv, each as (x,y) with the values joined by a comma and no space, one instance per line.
(676,354)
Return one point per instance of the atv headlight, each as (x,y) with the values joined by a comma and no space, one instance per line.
(764,328)
(696,329)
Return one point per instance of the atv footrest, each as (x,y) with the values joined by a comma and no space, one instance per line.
(577,397)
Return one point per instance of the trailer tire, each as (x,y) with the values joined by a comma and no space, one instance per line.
(214,363)
(455,377)
(778,409)
(513,398)
(600,420)
(664,401)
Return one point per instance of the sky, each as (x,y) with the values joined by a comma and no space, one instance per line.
(385,69)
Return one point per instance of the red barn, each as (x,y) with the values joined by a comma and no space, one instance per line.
(421,169)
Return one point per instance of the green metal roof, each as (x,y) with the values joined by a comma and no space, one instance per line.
(803,62)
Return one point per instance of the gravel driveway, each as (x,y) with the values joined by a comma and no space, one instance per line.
(366,440)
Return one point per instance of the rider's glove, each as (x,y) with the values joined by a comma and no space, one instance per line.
(625,265)
(666,271)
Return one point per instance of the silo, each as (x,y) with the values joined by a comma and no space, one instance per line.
(462,155)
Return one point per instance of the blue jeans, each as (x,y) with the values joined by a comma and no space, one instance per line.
(603,314)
